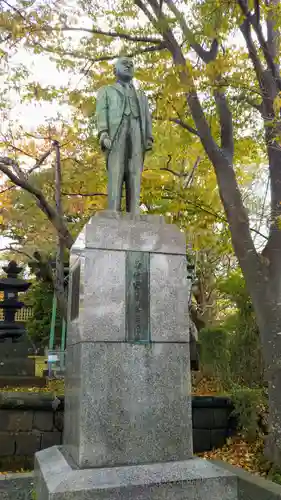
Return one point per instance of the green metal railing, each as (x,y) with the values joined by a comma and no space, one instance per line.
(53,327)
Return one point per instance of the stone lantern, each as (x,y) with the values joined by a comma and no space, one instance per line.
(11,286)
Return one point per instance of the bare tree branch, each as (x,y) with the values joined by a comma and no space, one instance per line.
(185,175)
(64,193)
(245,29)
(110,34)
(19,150)
(188,181)
(178,121)
(273,31)
(49,211)
(244,98)
(7,189)
(208,210)
(184,125)
(10,248)
(35,166)
(14,9)
(257,10)
(40,161)
(146,11)
(109,57)
(206,55)
(255,22)
(226,125)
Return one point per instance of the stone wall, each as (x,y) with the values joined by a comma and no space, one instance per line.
(31,422)
(212,422)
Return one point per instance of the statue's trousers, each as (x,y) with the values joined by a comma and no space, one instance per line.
(125,164)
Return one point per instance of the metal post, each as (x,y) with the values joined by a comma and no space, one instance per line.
(62,346)
(53,323)
(63,331)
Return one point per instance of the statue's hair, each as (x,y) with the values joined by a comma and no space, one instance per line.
(121,54)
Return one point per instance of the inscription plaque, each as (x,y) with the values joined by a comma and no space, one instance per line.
(75,292)
(137,297)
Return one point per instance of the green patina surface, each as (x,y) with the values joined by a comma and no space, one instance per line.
(137,297)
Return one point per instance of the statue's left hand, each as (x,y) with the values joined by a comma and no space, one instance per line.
(105,141)
(149,144)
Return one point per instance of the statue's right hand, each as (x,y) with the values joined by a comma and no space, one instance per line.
(105,141)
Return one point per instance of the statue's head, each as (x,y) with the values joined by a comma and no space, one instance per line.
(124,69)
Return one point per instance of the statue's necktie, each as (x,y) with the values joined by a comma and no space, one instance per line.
(128,138)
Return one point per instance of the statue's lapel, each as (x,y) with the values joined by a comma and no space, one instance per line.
(119,87)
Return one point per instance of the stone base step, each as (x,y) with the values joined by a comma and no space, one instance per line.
(22,381)
(193,479)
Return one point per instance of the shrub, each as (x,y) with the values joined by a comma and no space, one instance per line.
(40,298)
(249,406)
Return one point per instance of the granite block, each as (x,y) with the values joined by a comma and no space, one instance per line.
(127,403)
(7,444)
(72,399)
(43,421)
(110,214)
(124,233)
(51,439)
(73,318)
(17,420)
(99,270)
(193,479)
(169,298)
(103,285)
(102,298)
(28,443)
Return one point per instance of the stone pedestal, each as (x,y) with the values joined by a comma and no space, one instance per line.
(128,378)
(128,426)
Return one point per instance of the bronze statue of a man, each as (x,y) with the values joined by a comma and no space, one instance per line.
(125,133)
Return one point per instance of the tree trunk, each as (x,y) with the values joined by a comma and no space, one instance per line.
(269,322)
(59,273)
(262,273)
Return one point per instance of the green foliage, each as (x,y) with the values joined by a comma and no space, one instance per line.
(214,353)
(274,474)
(231,352)
(246,364)
(249,405)
(40,297)
(234,287)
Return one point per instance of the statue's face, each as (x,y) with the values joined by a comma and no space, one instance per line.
(124,69)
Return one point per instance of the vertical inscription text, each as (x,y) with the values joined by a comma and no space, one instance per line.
(137,297)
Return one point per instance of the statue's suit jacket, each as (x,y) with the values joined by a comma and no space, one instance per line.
(110,109)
